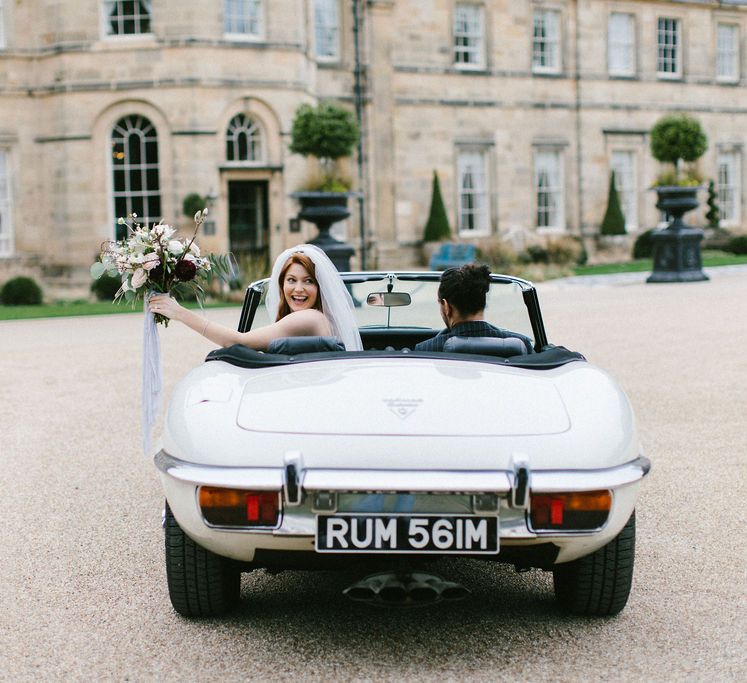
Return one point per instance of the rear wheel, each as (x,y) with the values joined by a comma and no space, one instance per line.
(598,584)
(201,583)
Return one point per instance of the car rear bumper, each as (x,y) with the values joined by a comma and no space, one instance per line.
(296,530)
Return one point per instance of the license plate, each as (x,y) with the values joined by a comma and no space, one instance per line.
(442,534)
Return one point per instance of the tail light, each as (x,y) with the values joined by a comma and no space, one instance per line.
(239,508)
(573,511)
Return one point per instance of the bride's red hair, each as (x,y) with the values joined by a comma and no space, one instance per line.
(302,260)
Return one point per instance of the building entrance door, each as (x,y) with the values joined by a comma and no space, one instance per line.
(248,220)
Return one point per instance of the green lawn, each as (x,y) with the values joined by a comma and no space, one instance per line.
(67,308)
(710,260)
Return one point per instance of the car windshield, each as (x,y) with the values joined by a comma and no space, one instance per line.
(505,304)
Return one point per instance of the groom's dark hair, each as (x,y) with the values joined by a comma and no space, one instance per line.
(465,287)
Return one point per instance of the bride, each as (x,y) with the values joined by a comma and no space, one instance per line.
(306,296)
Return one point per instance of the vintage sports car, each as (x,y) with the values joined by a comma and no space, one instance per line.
(309,456)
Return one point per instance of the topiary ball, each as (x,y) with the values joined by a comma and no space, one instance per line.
(21,291)
(106,287)
(738,244)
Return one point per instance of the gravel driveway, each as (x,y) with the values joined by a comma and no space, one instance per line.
(82,562)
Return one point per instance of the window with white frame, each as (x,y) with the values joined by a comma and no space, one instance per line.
(727,52)
(729,181)
(2,25)
(621,44)
(6,225)
(327,29)
(243,140)
(474,210)
(623,165)
(668,48)
(548,182)
(546,41)
(135,170)
(242,18)
(469,44)
(127,17)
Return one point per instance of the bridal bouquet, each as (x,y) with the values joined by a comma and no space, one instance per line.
(152,260)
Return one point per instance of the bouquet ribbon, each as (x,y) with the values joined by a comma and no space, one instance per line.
(152,376)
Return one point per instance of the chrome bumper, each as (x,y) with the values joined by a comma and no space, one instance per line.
(409,481)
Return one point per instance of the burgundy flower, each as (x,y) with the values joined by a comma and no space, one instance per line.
(156,274)
(185,270)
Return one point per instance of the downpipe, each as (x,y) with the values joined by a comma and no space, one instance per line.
(405,589)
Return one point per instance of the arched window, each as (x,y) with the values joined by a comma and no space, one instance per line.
(135,170)
(243,140)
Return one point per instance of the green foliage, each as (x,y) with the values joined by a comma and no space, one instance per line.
(714,214)
(690,177)
(326,131)
(562,251)
(498,255)
(565,251)
(738,244)
(678,137)
(222,267)
(437,226)
(193,203)
(534,253)
(334,184)
(613,222)
(21,291)
(106,286)
(644,245)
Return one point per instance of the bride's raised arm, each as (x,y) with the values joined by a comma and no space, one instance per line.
(305,295)
(298,323)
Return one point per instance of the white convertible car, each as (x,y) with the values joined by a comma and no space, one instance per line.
(308,456)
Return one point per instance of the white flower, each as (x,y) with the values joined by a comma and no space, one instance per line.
(195,249)
(175,247)
(198,216)
(150,261)
(163,230)
(123,264)
(139,277)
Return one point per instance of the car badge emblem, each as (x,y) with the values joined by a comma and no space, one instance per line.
(403,407)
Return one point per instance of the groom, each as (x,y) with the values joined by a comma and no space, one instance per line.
(461,299)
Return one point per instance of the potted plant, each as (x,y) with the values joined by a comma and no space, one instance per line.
(325,134)
(674,140)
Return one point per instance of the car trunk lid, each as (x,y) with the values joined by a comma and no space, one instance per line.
(407,397)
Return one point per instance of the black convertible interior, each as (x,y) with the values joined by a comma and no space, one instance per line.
(290,350)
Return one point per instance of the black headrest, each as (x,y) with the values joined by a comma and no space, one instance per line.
(503,347)
(294,345)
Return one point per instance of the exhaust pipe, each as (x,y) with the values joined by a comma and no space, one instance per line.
(405,589)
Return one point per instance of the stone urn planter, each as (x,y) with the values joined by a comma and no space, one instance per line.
(677,255)
(324,209)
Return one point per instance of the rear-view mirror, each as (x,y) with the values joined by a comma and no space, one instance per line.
(388,299)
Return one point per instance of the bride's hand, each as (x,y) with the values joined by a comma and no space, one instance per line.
(164,305)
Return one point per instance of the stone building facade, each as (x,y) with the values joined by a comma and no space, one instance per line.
(522,107)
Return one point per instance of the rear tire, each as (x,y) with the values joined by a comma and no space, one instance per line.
(201,583)
(598,584)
